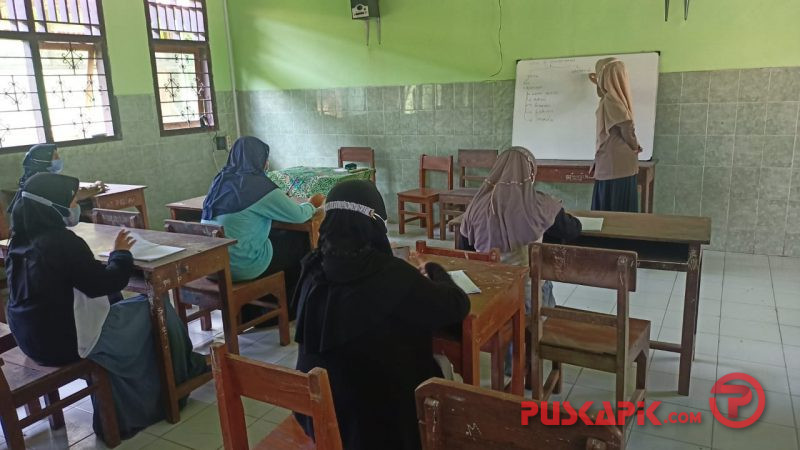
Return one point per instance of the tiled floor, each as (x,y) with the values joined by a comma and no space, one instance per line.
(749,322)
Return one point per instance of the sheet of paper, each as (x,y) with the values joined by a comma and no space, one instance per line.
(464,282)
(591,223)
(144,250)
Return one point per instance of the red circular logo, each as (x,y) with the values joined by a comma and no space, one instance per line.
(734,403)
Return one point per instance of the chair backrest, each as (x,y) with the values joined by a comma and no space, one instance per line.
(197,229)
(456,415)
(428,163)
(492,256)
(358,154)
(474,159)
(609,269)
(309,394)
(117,218)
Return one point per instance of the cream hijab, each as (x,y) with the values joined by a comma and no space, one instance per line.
(507,212)
(616,104)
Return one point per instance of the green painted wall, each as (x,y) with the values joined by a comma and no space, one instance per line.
(126,33)
(282,44)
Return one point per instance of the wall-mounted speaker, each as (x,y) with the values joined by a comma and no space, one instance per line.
(365,9)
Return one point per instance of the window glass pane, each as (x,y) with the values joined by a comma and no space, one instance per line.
(179,20)
(67,17)
(13,16)
(76,89)
(20,113)
(184,90)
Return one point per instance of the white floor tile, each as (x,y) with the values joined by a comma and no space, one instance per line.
(759,435)
(664,387)
(789,316)
(758,331)
(691,433)
(757,313)
(643,441)
(790,335)
(772,378)
(753,351)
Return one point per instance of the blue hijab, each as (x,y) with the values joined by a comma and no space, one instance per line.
(38,159)
(242,181)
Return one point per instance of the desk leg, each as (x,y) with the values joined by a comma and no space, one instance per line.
(169,389)
(141,206)
(652,190)
(230,311)
(517,353)
(690,307)
(470,356)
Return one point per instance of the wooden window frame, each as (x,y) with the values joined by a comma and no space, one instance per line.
(182,46)
(34,40)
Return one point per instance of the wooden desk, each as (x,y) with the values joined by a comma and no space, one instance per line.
(663,243)
(502,300)
(203,256)
(122,196)
(563,171)
(192,209)
(116,196)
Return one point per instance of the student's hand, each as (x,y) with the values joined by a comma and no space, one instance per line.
(317,200)
(124,241)
(418,261)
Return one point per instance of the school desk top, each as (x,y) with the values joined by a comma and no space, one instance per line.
(651,227)
(100,238)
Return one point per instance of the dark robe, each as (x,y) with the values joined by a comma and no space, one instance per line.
(380,353)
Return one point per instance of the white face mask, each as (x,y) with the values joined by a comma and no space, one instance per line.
(71,216)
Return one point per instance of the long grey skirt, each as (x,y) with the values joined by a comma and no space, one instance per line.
(126,349)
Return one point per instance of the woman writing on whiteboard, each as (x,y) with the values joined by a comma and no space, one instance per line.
(616,163)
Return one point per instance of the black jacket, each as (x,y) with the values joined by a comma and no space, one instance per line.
(41,275)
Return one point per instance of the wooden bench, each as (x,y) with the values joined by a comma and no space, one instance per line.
(458,416)
(23,383)
(310,394)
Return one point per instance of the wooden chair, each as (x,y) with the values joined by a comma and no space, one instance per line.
(610,343)
(455,415)
(474,159)
(451,348)
(364,155)
(424,196)
(117,218)
(23,383)
(310,394)
(204,293)
(453,203)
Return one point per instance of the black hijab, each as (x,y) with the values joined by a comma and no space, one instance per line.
(29,219)
(338,298)
(242,181)
(38,160)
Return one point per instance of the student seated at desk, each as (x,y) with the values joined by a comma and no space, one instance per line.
(245,201)
(369,318)
(65,305)
(44,158)
(508,213)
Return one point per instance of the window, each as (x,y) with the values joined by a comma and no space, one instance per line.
(54,85)
(181,61)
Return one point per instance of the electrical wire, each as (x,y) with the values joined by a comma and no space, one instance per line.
(499,38)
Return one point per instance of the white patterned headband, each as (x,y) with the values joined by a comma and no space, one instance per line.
(355,207)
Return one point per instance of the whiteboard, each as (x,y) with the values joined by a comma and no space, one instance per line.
(555,105)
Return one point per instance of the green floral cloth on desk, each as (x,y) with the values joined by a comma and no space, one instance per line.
(304,181)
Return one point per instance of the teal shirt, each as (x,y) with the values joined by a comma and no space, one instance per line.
(252,253)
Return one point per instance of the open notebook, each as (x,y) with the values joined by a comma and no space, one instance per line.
(464,282)
(144,250)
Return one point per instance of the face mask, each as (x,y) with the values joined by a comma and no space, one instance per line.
(70,216)
(56,166)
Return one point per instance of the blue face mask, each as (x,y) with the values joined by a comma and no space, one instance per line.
(71,216)
(56,166)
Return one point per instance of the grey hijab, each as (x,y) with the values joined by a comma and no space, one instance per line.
(507,212)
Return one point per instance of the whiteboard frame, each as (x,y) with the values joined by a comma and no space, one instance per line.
(644,118)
